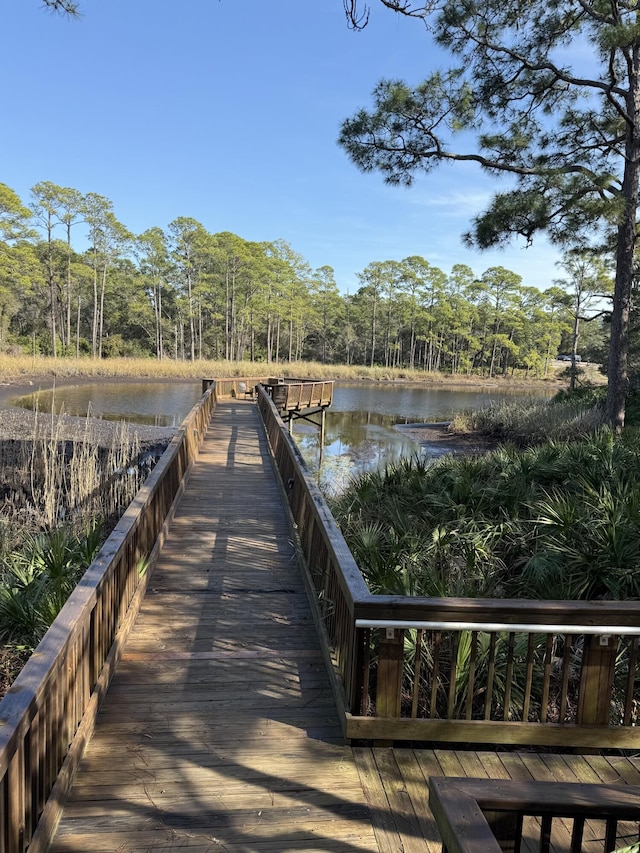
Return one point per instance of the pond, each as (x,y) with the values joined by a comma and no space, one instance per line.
(363,425)
(161,404)
(363,429)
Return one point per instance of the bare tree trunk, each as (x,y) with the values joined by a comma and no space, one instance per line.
(94,319)
(101,311)
(78,329)
(627,236)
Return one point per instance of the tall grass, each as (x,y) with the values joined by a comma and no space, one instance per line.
(528,422)
(48,480)
(16,367)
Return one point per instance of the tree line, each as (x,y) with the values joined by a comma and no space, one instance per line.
(187,294)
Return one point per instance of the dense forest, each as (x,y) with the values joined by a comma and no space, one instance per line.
(186,294)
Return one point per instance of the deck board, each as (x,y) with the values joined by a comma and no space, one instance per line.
(384,771)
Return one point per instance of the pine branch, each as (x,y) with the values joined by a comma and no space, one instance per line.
(67,7)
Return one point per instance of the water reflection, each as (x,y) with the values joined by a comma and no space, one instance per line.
(361,426)
(163,404)
(355,442)
(419,404)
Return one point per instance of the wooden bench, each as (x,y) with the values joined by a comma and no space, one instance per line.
(486,815)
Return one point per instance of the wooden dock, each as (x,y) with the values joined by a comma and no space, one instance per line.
(219,730)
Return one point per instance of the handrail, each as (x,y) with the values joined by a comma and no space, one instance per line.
(559,673)
(47,716)
(501,627)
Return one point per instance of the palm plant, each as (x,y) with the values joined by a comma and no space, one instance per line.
(37,578)
(557,520)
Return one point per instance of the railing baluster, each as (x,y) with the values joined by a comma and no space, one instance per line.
(455,641)
(528,679)
(566,666)
(546,680)
(631,680)
(545,833)
(417,672)
(576,834)
(509,676)
(437,646)
(472,673)
(610,834)
(491,672)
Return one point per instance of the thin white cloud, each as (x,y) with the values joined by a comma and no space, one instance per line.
(456,203)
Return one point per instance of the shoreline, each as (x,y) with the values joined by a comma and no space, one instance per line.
(437,439)
(18,424)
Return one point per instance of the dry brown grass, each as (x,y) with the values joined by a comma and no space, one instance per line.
(48,479)
(13,368)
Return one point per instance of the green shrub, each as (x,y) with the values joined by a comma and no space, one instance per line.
(37,579)
(558,520)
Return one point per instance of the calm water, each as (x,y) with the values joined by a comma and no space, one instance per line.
(363,426)
(164,404)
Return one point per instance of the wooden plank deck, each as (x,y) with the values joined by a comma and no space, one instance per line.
(396,787)
(219,731)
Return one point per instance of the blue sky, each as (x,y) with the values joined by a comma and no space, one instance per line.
(228,111)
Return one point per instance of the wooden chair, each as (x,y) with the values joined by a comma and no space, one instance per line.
(245,391)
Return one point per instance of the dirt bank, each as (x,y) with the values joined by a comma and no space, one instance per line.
(438,441)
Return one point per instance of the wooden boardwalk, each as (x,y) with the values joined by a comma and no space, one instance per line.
(219,731)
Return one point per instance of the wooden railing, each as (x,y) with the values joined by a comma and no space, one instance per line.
(297,395)
(48,714)
(287,394)
(491,816)
(233,386)
(462,670)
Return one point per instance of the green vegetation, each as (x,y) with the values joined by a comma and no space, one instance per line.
(37,578)
(183,295)
(559,520)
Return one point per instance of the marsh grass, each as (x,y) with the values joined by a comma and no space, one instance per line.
(47,479)
(529,422)
(14,367)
